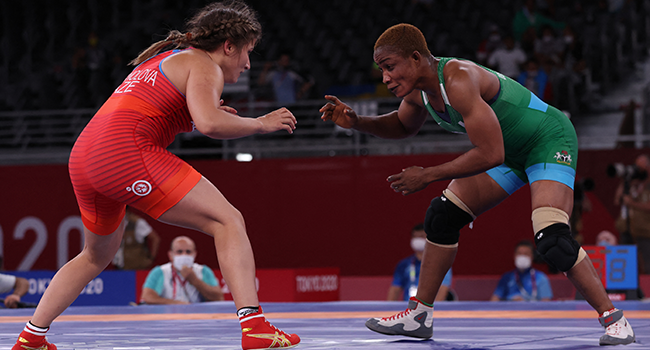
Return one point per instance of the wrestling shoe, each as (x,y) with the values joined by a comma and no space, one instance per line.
(258,333)
(617,329)
(33,338)
(416,321)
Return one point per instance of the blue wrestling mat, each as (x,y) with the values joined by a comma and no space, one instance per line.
(564,325)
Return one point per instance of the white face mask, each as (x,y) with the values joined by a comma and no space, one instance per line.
(183,260)
(523,262)
(418,244)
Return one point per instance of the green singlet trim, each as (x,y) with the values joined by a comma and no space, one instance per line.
(427,304)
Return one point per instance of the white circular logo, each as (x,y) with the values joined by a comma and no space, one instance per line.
(140,188)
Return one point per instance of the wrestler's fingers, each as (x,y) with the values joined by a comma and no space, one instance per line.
(333,98)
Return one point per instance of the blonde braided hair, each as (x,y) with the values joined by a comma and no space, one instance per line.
(214,24)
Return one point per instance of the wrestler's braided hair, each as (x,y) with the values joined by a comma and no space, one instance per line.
(214,24)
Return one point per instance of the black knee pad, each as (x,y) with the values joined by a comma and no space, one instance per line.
(556,245)
(443,221)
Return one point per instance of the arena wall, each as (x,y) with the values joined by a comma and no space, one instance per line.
(316,212)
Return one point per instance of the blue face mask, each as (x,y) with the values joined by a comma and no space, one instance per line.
(604,243)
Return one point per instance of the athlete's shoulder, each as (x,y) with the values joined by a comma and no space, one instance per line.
(455,68)
(191,57)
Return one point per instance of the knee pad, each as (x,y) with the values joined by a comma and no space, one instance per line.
(558,248)
(443,221)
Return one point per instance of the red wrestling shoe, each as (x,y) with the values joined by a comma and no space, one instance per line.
(33,338)
(258,333)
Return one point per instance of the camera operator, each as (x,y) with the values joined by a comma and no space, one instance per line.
(581,204)
(633,195)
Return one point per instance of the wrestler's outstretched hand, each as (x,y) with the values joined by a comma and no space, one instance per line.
(279,119)
(339,113)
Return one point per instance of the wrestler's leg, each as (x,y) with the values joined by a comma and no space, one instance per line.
(583,275)
(462,201)
(479,193)
(71,279)
(205,209)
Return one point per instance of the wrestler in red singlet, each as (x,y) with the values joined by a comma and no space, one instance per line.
(121,159)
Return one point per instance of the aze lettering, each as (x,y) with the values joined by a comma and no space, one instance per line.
(147,76)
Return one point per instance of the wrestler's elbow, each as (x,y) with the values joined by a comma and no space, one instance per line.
(494,157)
(213,128)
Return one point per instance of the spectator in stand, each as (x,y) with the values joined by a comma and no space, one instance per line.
(606,238)
(635,210)
(524,283)
(572,50)
(571,77)
(528,42)
(529,17)
(548,49)
(181,280)
(288,85)
(581,204)
(535,79)
(508,58)
(490,44)
(407,272)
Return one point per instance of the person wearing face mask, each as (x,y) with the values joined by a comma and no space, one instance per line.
(508,58)
(491,43)
(407,272)
(606,238)
(524,283)
(548,49)
(534,78)
(181,280)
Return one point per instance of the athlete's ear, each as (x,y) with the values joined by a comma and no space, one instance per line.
(229,48)
(416,56)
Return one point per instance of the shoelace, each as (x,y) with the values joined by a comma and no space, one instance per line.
(614,328)
(396,316)
(274,327)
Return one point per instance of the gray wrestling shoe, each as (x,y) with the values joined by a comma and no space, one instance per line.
(416,321)
(617,330)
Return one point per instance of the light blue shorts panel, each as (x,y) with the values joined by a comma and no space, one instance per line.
(506,178)
(554,172)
